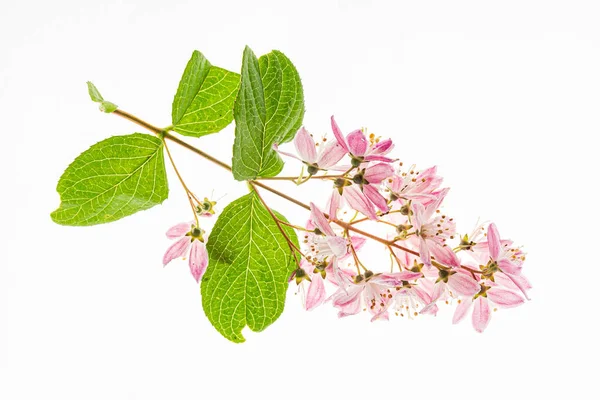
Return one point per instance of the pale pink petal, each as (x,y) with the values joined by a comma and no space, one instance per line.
(338,134)
(357,143)
(504,298)
(396,278)
(305,146)
(383,147)
(435,204)
(376,198)
(431,309)
(417,217)
(445,255)
(315,294)
(318,218)
(424,252)
(358,201)
(463,284)
(338,245)
(348,302)
(493,238)
(375,157)
(378,172)
(508,267)
(438,290)
(461,310)
(481,314)
(514,282)
(331,155)
(176,250)
(334,204)
(276,148)
(179,230)
(198,259)
(358,242)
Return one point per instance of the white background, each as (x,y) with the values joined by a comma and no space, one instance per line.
(502,96)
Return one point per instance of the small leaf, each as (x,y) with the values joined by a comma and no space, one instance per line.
(94,93)
(108,107)
(269,109)
(114,178)
(204,100)
(250,263)
(105,106)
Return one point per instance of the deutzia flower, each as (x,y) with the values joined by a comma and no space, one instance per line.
(190,239)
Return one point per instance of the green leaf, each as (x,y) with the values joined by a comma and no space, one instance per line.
(114,178)
(94,93)
(269,109)
(204,100)
(250,263)
(108,107)
(105,106)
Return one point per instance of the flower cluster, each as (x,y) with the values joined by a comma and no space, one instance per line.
(479,271)
(429,262)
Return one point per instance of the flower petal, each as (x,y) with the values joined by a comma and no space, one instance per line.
(463,284)
(315,294)
(445,255)
(276,148)
(198,259)
(318,218)
(378,172)
(504,298)
(338,245)
(357,143)
(375,197)
(462,309)
(375,157)
(508,267)
(176,250)
(358,201)
(331,155)
(305,146)
(383,147)
(179,230)
(424,252)
(481,314)
(338,134)
(334,203)
(493,238)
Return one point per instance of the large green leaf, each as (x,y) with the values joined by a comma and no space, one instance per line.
(269,109)
(204,100)
(250,263)
(114,178)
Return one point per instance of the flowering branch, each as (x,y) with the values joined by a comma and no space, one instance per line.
(251,243)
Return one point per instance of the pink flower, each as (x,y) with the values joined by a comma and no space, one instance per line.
(453,281)
(190,238)
(345,191)
(431,229)
(360,148)
(324,242)
(503,260)
(376,291)
(326,157)
(421,186)
(499,254)
(314,294)
(484,302)
(369,179)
